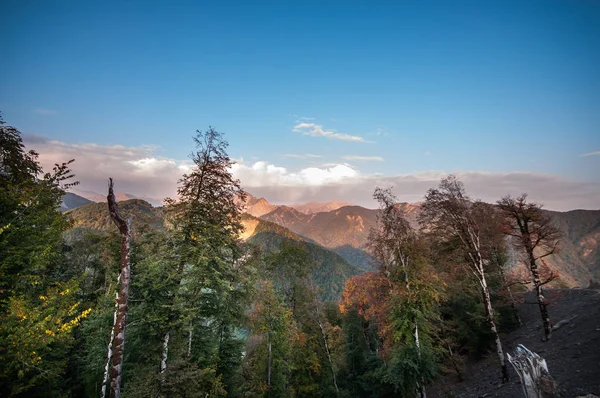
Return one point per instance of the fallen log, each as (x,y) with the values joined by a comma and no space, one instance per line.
(563,322)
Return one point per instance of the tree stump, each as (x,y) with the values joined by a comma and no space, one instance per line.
(533,373)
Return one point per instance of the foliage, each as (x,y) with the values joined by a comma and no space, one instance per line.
(274,316)
(39,307)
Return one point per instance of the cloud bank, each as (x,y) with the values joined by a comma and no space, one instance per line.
(136,170)
(140,171)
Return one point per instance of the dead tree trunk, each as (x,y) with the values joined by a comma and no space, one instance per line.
(110,343)
(118,343)
(533,373)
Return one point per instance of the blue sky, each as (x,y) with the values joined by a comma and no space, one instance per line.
(494,87)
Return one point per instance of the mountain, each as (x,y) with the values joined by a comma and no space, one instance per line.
(120,196)
(90,195)
(330,273)
(317,207)
(581,242)
(346,231)
(257,206)
(330,270)
(95,216)
(71,201)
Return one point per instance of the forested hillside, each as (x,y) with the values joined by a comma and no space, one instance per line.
(199,299)
(329,270)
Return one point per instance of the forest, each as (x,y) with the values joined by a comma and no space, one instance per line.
(189,309)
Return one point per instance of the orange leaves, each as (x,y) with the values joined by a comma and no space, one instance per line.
(367,293)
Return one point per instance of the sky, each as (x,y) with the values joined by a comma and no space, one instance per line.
(319,100)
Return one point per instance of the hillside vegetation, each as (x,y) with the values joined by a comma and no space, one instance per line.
(197,299)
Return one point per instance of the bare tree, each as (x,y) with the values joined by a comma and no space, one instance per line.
(116,349)
(450,214)
(534,234)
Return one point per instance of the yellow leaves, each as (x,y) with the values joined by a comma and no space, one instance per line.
(4,228)
(33,324)
(74,322)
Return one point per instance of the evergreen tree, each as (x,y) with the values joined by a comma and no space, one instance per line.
(213,275)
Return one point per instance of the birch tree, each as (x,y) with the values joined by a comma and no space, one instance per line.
(536,237)
(449,213)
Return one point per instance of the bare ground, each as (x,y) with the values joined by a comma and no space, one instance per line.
(572,355)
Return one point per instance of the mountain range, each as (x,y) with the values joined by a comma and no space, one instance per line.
(344,229)
(120,196)
(329,270)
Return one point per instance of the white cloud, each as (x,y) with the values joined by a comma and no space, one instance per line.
(302,156)
(44,111)
(364,158)
(596,153)
(140,171)
(315,130)
(262,174)
(296,187)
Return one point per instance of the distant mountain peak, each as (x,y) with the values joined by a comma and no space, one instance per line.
(319,207)
(121,196)
(256,206)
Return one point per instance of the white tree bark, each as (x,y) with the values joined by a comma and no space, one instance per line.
(533,373)
(489,310)
(165,353)
(110,342)
(118,344)
(326,344)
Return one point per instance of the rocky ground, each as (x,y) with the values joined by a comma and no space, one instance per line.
(572,355)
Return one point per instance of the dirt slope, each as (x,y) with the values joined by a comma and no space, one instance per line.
(573,354)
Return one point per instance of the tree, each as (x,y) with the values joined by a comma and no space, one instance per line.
(273,334)
(30,223)
(116,346)
(205,225)
(39,307)
(395,246)
(534,234)
(449,213)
